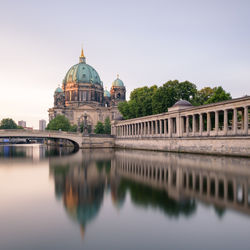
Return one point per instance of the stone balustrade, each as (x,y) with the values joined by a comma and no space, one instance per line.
(226,118)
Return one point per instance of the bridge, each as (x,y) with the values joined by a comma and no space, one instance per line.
(78,139)
(218,128)
(75,138)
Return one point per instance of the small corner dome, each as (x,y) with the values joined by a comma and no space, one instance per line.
(106,93)
(58,90)
(117,82)
(182,103)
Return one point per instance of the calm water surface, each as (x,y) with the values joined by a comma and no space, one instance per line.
(121,199)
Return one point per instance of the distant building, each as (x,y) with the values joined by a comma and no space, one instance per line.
(22,123)
(42,125)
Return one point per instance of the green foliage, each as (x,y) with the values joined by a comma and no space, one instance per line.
(107,126)
(219,94)
(99,128)
(147,101)
(208,95)
(8,123)
(73,128)
(140,103)
(60,122)
(171,92)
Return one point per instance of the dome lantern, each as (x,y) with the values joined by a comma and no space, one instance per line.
(82,58)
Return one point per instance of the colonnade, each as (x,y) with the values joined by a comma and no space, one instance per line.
(219,119)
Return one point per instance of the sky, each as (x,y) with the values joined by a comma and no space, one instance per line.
(145,42)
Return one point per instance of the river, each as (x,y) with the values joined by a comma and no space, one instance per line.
(53,198)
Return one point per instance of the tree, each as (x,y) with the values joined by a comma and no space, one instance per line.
(202,96)
(73,128)
(60,122)
(171,92)
(99,128)
(8,123)
(107,126)
(218,95)
(211,95)
(147,101)
(140,103)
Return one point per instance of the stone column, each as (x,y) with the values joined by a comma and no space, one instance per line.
(235,120)
(187,125)
(194,125)
(170,127)
(201,124)
(181,125)
(156,127)
(208,123)
(216,122)
(160,121)
(165,126)
(245,120)
(178,125)
(225,121)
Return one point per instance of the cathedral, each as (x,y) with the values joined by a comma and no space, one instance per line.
(82,95)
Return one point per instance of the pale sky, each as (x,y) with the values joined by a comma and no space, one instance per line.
(145,42)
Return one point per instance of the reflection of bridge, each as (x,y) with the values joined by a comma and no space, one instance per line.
(75,138)
(224,182)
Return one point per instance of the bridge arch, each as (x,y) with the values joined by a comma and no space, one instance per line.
(74,138)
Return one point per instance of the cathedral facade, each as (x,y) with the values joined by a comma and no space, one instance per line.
(82,95)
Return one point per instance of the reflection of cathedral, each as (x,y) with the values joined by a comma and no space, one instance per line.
(82,93)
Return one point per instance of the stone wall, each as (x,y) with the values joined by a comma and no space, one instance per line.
(235,146)
(97,142)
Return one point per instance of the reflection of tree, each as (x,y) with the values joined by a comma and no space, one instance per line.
(104,164)
(146,196)
(219,211)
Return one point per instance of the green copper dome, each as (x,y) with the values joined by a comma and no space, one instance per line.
(118,82)
(106,93)
(58,90)
(82,73)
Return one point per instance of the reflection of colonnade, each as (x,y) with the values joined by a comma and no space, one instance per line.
(227,185)
(182,120)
